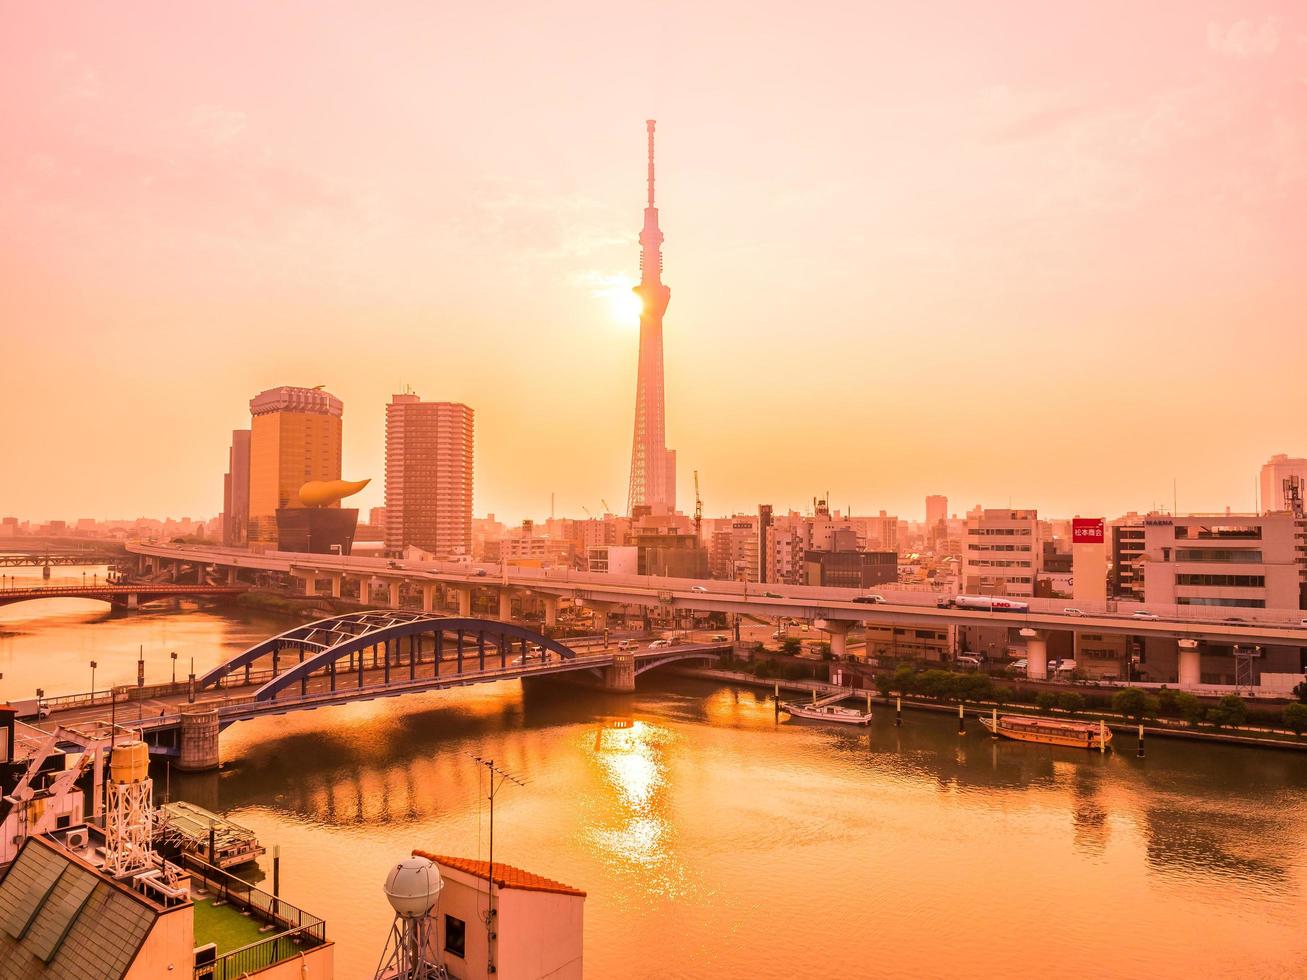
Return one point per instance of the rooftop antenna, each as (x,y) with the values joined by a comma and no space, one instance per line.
(497,779)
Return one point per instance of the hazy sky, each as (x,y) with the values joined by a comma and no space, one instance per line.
(999,251)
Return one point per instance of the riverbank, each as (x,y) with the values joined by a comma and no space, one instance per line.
(1117,723)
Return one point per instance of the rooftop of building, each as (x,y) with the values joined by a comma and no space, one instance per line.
(60,916)
(288,398)
(506,876)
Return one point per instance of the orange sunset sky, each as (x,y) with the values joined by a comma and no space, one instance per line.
(1048,253)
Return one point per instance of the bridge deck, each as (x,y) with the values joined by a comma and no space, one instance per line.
(236,701)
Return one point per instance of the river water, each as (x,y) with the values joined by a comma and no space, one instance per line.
(715,841)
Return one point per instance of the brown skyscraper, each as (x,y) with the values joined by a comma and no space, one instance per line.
(428,476)
(294,438)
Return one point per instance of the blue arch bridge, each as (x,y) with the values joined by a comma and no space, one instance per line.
(357,656)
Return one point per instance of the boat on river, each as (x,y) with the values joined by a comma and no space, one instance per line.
(828,712)
(1049,731)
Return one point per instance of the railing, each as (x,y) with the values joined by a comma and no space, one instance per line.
(299,929)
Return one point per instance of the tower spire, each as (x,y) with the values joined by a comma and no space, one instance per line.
(653,465)
(649,125)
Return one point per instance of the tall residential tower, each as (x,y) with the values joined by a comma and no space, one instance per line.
(653,465)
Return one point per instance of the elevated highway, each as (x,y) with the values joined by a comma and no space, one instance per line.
(835,606)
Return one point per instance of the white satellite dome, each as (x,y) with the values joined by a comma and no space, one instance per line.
(413,887)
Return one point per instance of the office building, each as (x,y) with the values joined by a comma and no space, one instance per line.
(428,476)
(295,438)
(1279,476)
(1000,553)
(236,491)
(850,569)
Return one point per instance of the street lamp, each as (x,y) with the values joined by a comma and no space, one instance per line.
(173,655)
(93,666)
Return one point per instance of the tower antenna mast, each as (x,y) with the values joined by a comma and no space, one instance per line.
(497,779)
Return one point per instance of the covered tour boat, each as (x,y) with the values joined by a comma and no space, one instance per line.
(1050,731)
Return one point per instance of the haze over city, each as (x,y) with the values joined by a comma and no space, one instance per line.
(1007,253)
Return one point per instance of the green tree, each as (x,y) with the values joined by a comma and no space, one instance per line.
(1167,705)
(1134,703)
(1004,695)
(824,649)
(884,684)
(1295,718)
(1230,710)
(791,645)
(1045,701)
(1070,701)
(1300,692)
(976,687)
(1188,707)
(905,679)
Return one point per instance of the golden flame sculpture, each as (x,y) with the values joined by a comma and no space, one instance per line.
(324,493)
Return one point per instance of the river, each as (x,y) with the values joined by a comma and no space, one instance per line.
(714,841)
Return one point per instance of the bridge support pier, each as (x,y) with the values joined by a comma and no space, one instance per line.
(505,605)
(1190,667)
(464,593)
(394,593)
(336,588)
(620,676)
(1036,654)
(365,590)
(131,600)
(199,737)
(231,574)
(429,597)
(310,585)
(551,610)
(839,636)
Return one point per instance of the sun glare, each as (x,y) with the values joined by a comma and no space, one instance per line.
(625,306)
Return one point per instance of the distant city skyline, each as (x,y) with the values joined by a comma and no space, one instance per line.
(1001,253)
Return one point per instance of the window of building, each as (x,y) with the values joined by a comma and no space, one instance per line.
(1217,554)
(1204,601)
(455,936)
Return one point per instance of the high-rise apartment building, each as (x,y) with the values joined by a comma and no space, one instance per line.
(1275,493)
(236,491)
(294,438)
(428,476)
(999,556)
(936,519)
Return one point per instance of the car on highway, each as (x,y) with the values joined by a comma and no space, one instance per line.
(719,638)
(698,588)
(778,635)
(1072,611)
(772,595)
(1144,614)
(660,644)
(627,645)
(869,599)
(481,573)
(1018,666)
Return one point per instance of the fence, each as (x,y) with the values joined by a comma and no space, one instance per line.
(298,930)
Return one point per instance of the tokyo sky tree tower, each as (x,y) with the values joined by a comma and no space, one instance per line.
(653,465)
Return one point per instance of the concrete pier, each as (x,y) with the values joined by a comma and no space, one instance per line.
(620,676)
(198,741)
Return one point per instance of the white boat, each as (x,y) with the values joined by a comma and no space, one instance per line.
(828,712)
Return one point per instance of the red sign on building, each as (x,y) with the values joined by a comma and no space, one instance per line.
(1087,530)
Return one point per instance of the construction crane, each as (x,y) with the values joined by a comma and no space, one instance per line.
(698,505)
(607,509)
(587,512)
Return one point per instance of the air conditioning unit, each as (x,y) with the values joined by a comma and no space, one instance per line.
(77,839)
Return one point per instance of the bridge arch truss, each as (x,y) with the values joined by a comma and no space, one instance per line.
(400,643)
